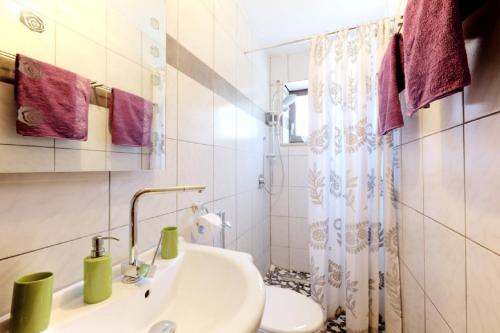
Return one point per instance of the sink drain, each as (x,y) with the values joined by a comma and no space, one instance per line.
(164,326)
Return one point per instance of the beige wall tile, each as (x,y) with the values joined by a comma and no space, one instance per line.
(413,303)
(483,290)
(71,160)
(434,323)
(411,175)
(413,242)
(299,259)
(444,178)
(443,114)
(482,157)
(26,159)
(445,273)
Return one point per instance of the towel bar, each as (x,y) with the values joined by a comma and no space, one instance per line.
(100,94)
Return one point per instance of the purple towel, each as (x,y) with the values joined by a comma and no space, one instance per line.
(52,102)
(435,61)
(390,84)
(130,117)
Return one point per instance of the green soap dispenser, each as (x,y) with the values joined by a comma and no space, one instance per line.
(97,275)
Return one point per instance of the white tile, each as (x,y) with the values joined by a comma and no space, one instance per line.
(245,130)
(71,160)
(279,69)
(77,14)
(22,40)
(195,167)
(299,233)
(124,74)
(45,7)
(280,256)
(64,260)
(434,323)
(123,185)
(26,159)
(299,259)
(243,73)
(244,243)
(279,201)
(123,161)
(298,66)
(413,303)
(244,212)
(443,161)
(172,17)
(171,102)
(195,115)
(196,29)
(443,114)
(279,231)
(8,115)
(298,202)
(413,242)
(482,97)
(260,206)
(171,163)
(44,209)
(224,54)
(224,123)
(79,54)
(153,53)
(228,206)
(412,129)
(411,175)
(483,181)
(280,167)
(244,36)
(483,291)
(246,168)
(97,129)
(445,273)
(297,166)
(298,149)
(224,172)
(226,14)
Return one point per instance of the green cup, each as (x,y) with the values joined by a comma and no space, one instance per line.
(31,303)
(169,242)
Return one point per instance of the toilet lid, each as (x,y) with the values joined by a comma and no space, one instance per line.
(287,311)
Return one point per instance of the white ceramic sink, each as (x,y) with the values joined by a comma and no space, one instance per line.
(203,290)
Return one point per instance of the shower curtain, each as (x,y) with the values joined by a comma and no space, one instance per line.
(352,172)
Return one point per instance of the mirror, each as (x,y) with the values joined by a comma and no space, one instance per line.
(113,43)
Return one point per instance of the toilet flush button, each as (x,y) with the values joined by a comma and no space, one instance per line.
(287,311)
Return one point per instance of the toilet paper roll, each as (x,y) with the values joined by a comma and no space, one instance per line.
(206,228)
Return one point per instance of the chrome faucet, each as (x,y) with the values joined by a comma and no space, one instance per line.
(134,270)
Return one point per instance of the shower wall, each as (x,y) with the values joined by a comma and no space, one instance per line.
(450,198)
(289,228)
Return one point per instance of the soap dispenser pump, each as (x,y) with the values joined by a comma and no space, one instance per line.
(97,275)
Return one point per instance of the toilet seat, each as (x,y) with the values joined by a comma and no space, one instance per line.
(287,311)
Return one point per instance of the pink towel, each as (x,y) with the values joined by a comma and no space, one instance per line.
(130,117)
(435,61)
(390,84)
(52,102)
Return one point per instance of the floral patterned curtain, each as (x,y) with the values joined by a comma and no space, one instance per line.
(352,172)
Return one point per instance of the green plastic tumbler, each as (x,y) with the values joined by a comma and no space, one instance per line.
(31,303)
(169,242)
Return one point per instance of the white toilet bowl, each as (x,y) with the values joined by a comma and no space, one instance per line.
(287,311)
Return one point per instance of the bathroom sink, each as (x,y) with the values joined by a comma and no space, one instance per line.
(204,289)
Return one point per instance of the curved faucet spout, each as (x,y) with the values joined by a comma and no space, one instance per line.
(132,269)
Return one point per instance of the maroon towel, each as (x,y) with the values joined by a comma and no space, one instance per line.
(435,61)
(130,117)
(52,102)
(390,84)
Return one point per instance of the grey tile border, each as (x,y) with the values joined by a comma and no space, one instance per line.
(187,63)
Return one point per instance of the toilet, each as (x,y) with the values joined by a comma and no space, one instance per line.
(287,311)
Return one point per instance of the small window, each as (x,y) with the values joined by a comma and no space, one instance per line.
(296,122)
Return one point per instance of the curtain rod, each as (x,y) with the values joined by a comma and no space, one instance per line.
(305,39)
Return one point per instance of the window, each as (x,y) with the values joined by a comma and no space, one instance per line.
(296,126)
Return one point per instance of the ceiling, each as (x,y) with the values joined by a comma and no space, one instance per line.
(277,21)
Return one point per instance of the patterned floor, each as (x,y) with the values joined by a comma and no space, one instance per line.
(299,281)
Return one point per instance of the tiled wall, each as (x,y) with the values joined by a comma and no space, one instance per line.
(116,44)
(450,202)
(47,220)
(289,228)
